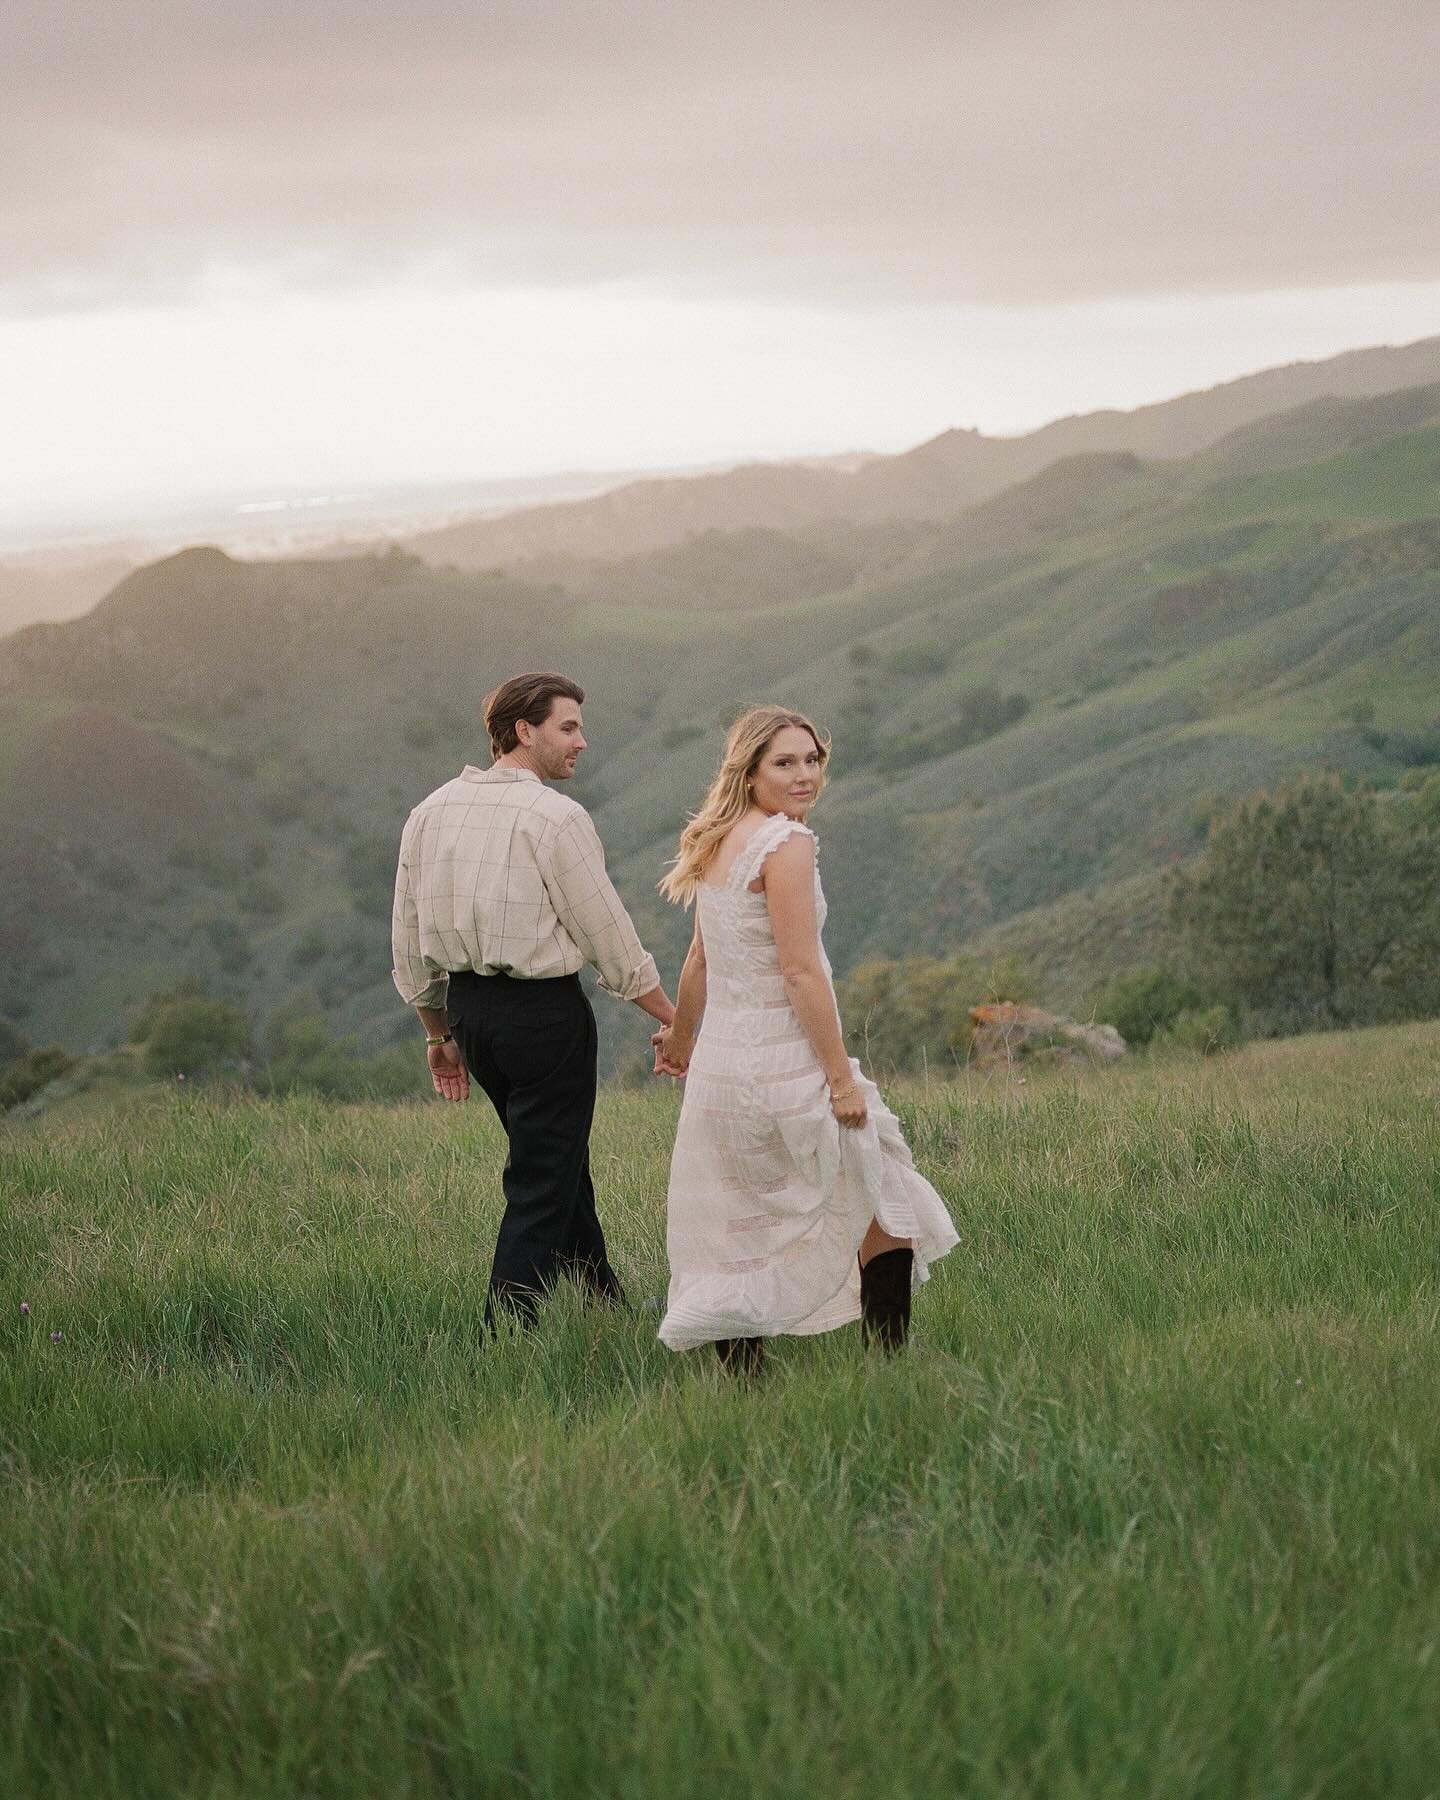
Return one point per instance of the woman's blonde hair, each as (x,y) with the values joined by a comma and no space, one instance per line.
(729,797)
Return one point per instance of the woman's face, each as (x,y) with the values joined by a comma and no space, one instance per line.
(789,774)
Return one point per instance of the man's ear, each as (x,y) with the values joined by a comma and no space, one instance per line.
(524,731)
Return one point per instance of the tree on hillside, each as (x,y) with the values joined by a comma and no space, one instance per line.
(1315,906)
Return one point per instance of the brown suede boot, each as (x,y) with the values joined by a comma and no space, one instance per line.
(885,1299)
(741,1356)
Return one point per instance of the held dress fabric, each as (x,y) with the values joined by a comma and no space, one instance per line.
(769,1196)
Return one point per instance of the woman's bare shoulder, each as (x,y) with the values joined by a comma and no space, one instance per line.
(732,847)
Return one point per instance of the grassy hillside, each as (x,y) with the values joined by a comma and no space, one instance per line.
(1148,1508)
(1044,696)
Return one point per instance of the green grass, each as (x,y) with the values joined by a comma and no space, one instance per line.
(1148,1509)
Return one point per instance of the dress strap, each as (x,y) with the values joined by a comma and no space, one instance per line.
(771,835)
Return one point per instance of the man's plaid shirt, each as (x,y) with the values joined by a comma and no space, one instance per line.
(500,874)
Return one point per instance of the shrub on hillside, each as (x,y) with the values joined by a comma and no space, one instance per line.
(227,939)
(303,1058)
(13,1043)
(1415,751)
(188,989)
(309,948)
(297,1027)
(196,1038)
(261,897)
(26,1075)
(914,1012)
(1204,1030)
(904,1014)
(1144,1001)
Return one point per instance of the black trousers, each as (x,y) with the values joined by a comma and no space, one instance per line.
(531,1046)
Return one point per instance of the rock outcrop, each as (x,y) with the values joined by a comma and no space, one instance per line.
(1006,1033)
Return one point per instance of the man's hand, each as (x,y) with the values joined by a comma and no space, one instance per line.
(448,1071)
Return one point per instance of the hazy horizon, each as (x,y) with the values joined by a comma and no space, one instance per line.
(306,511)
(257,254)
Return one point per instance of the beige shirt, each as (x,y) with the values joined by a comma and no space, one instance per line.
(501,874)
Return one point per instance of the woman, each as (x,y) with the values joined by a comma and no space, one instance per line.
(794,1203)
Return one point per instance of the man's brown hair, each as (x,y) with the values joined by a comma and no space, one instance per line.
(527,697)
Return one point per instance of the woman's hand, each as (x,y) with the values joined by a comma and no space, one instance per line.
(672,1053)
(847,1103)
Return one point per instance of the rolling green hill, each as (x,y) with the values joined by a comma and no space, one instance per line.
(1037,703)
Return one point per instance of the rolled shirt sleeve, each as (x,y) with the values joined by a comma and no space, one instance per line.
(419,981)
(590,910)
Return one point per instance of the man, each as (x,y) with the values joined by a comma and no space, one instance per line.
(501,896)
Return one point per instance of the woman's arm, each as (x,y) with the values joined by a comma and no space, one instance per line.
(676,1045)
(789,876)
(690,995)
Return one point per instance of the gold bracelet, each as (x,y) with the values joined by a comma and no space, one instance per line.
(843,1093)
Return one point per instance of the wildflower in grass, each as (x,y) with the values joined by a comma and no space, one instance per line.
(24,1309)
(55,1336)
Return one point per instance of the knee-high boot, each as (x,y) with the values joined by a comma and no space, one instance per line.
(885,1298)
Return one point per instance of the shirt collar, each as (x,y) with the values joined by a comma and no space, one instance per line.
(497,772)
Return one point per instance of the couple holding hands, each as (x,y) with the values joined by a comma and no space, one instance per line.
(794,1204)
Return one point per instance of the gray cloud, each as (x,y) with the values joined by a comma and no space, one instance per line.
(845,153)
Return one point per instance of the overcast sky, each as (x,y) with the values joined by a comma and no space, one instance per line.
(315,242)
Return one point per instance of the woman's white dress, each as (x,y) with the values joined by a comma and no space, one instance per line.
(769,1197)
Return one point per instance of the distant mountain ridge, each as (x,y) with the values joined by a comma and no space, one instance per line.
(929,483)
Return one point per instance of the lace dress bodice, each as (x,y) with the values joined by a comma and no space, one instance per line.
(742,965)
